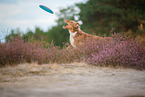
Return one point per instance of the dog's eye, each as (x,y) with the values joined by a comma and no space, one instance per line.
(75,26)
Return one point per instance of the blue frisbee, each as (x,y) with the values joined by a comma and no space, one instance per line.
(46,9)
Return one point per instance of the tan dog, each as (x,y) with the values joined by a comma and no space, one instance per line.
(77,36)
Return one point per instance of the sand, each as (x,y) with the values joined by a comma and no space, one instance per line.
(70,80)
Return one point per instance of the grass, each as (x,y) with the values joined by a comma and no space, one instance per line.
(122,51)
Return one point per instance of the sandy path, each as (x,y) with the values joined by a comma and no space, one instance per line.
(73,80)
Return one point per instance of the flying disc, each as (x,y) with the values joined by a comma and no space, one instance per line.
(46,9)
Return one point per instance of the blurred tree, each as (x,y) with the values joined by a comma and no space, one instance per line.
(12,35)
(39,34)
(100,16)
(28,36)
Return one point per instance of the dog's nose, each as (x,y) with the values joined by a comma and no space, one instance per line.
(66,20)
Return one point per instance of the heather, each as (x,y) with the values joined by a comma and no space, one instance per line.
(117,51)
(122,51)
(18,51)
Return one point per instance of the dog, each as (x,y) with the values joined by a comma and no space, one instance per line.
(77,36)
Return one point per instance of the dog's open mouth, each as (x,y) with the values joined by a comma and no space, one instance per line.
(64,27)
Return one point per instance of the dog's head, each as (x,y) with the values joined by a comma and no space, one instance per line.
(71,25)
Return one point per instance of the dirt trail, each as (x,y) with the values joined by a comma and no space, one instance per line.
(70,80)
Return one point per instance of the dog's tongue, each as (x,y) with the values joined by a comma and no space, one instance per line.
(64,27)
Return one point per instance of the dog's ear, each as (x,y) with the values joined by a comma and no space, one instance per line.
(78,24)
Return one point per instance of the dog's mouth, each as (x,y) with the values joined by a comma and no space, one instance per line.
(64,27)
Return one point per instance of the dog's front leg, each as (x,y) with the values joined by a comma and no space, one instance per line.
(69,47)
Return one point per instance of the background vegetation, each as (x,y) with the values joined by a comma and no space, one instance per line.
(122,51)
(99,17)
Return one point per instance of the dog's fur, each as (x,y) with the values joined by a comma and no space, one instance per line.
(77,36)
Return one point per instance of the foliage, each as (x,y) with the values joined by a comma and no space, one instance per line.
(100,16)
(17,50)
(122,51)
